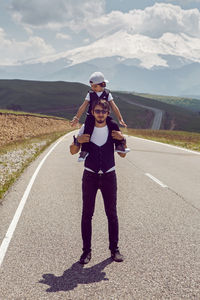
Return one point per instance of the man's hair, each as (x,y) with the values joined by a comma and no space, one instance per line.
(103,103)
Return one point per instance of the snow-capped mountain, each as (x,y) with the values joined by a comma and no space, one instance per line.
(169,64)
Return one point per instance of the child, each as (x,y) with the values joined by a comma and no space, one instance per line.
(98,91)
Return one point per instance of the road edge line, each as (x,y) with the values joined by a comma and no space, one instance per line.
(6,241)
(168,145)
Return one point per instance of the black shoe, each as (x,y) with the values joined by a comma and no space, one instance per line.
(85,258)
(117,256)
(121,149)
(82,156)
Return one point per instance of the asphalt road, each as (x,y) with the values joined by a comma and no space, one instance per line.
(158,113)
(159,219)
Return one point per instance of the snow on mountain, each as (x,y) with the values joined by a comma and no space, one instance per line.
(169,64)
(147,50)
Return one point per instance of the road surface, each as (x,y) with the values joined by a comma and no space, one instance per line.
(159,219)
(158,113)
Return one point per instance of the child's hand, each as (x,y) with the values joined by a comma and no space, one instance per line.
(74,122)
(122,123)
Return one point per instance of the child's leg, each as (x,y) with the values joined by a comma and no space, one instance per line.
(112,125)
(88,129)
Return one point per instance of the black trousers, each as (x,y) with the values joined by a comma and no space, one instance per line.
(107,183)
(89,127)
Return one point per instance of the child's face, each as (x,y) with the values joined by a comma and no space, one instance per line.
(97,88)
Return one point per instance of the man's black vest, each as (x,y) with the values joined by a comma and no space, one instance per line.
(101,157)
(94,97)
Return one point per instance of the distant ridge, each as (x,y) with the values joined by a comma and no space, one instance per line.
(63,99)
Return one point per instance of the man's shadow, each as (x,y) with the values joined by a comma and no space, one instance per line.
(74,276)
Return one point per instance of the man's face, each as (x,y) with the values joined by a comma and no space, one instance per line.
(100,114)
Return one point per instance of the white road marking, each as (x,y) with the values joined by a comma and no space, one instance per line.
(156,180)
(13,224)
(165,144)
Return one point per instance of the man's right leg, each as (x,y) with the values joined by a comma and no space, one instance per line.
(89,191)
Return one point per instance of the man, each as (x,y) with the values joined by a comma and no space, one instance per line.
(100,174)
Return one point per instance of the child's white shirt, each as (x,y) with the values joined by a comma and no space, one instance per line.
(110,97)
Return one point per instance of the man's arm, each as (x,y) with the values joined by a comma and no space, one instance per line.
(119,136)
(75,146)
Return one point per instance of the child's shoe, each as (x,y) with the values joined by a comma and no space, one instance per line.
(121,149)
(82,156)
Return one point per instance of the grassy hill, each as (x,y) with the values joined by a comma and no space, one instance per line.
(63,99)
(175,117)
(187,103)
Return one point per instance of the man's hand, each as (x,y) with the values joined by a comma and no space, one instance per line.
(117,135)
(84,138)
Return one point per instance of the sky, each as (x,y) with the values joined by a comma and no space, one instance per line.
(32,29)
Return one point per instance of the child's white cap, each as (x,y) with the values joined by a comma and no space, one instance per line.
(96,78)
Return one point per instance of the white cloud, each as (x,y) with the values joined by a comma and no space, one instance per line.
(61,36)
(162,29)
(56,14)
(152,21)
(12,51)
(86,41)
(184,1)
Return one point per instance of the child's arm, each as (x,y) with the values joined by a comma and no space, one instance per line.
(81,110)
(117,112)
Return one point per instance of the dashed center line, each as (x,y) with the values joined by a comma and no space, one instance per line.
(156,180)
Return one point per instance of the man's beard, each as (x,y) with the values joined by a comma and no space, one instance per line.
(100,121)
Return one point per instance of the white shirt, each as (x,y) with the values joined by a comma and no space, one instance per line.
(110,97)
(99,137)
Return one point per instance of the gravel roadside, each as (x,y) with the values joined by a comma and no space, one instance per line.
(13,160)
(22,138)
(16,157)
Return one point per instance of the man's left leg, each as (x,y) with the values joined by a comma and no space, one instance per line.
(108,188)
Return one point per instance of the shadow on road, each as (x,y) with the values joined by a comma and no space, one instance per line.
(75,275)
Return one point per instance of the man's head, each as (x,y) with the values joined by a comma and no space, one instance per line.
(100,110)
(97,82)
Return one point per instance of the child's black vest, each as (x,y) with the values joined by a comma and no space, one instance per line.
(94,97)
(101,157)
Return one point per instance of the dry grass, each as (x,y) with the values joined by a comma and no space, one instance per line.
(23,113)
(19,149)
(189,140)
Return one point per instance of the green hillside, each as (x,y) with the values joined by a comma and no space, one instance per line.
(175,117)
(62,99)
(58,98)
(187,103)
(40,96)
